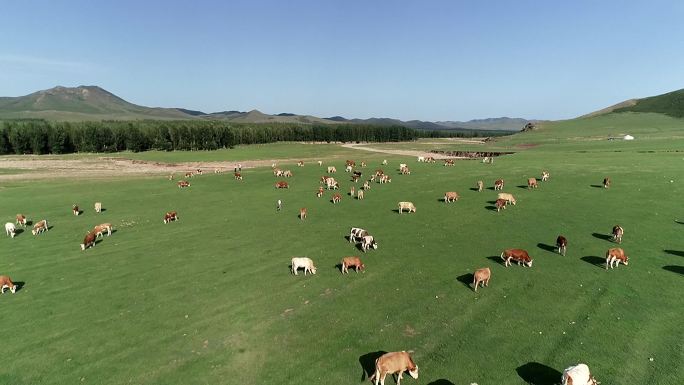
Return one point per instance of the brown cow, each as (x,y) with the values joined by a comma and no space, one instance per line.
(89,240)
(450,196)
(100,229)
(500,204)
(6,282)
(617,233)
(40,227)
(615,256)
(21,220)
(354,262)
(350,163)
(170,216)
(282,184)
(336,198)
(183,184)
(561,244)
(481,276)
(606,182)
(302,213)
(391,363)
(517,255)
(531,183)
(498,184)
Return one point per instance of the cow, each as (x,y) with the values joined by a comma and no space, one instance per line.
(319,193)
(509,198)
(615,256)
(279,205)
(500,204)
(170,177)
(303,262)
(367,242)
(617,233)
(448,162)
(531,183)
(189,174)
(170,216)
(100,229)
(578,375)
(498,184)
(357,174)
(324,179)
(98,207)
(75,210)
(331,169)
(331,183)
(300,163)
(485,159)
(302,213)
(450,196)
(199,171)
(348,169)
(282,184)
(320,163)
(183,184)
(430,159)
(545,176)
(352,191)
(287,173)
(606,182)
(237,176)
(363,164)
(561,244)
(89,240)
(350,163)
(385,179)
(357,233)
(21,220)
(402,166)
(277,172)
(274,165)
(517,255)
(359,194)
(218,170)
(408,206)
(379,172)
(40,227)
(384,162)
(336,198)
(421,159)
(481,276)
(354,262)
(480,185)
(405,171)
(6,283)
(391,363)
(366,185)
(10,230)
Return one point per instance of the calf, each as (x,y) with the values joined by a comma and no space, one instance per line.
(10,230)
(359,195)
(408,206)
(89,240)
(6,283)
(430,159)
(509,198)
(354,262)
(450,196)
(40,227)
(391,363)
(170,216)
(21,220)
(561,244)
(183,184)
(98,207)
(606,182)
(578,375)
(336,198)
(282,184)
(302,213)
(500,204)
(531,183)
(498,184)
(480,185)
(545,176)
(615,256)
(303,262)
(517,255)
(75,210)
(237,176)
(331,169)
(481,276)
(617,233)
(102,228)
(367,242)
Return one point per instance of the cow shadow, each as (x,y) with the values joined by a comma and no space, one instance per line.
(490,188)
(495,258)
(522,186)
(80,212)
(674,269)
(490,207)
(594,260)
(395,211)
(114,231)
(367,362)
(338,267)
(538,374)
(675,252)
(680,222)
(546,247)
(29,223)
(19,284)
(474,189)
(466,279)
(18,231)
(441,382)
(97,242)
(605,237)
(596,185)
(50,228)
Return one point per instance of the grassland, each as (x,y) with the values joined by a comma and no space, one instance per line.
(210,300)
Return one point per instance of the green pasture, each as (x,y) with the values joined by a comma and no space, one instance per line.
(210,299)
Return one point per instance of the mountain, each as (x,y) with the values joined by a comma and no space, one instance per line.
(671,104)
(503,123)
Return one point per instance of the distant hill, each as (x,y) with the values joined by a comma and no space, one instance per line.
(503,123)
(671,104)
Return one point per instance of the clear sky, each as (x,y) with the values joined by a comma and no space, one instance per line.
(410,59)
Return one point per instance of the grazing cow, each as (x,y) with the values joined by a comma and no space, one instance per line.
(277,172)
(358,174)
(237,176)
(348,169)
(405,171)
(218,170)
(606,182)
(199,171)
(385,179)
(578,375)
(379,172)
(480,185)
(363,164)
(287,173)
(101,228)
(430,159)
(485,159)
(183,184)
(354,262)
(408,206)
(561,244)
(305,263)
(75,210)
(282,184)
(402,166)
(331,183)
(331,169)
(89,240)
(517,255)
(448,162)
(391,363)
(617,233)
(279,205)
(367,242)
(189,174)
(302,213)
(324,179)
(509,198)
(21,220)
(170,216)
(336,198)
(359,195)
(615,256)
(352,192)
(300,163)
(531,183)
(274,165)
(170,176)
(545,176)
(499,184)
(10,230)
(319,193)
(40,227)
(356,234)
(98,207)
(450,196)
(500,204)
(481,276)
(384,162)
(366,185)
(320,163)
(350,163)
(6,283)
(421,159)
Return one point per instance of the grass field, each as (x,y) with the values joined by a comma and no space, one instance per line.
(210,299)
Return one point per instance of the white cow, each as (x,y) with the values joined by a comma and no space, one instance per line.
(408,206)
(303,262)
(421,159)
(10,230)
(578,375)
(348,169)
(367,242)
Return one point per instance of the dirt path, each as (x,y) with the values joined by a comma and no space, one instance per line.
(413,153)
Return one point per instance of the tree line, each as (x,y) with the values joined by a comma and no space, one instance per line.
(44,137)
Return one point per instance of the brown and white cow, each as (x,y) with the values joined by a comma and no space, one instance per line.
(336,198)
(40,227)
(368,242)
(578,375)
(518,255)
(331,184)
(561,244)
(189,174)
(617,233)
(450,196)
(606,182)
(75,210)
(331,169)
(366,185)
(545,176)
(183,184)
(449,162)
(303,262)
(354,262)
(277,172)
(481,276)
(302,213)
(350,163)
(170,216)
(100,229)
(509,198)
(430,159)
(500,204)
(6,283)
(319,193)
(21,220)
(408,206)
(363,164)
(480,185)
(531,183)
(348,169)
(98,207)
(392,363)
(282,184)
(385,179)
(237,176)
(498,184)
(300,163)
(359,194)
(198,171)
(615,256)
(89,240)
(405,171)
(287,173)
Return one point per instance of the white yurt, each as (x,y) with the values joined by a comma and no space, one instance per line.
(628,137)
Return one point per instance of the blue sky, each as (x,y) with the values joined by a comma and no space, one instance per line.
(428,60)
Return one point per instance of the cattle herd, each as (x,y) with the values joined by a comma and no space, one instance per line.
(389,363)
